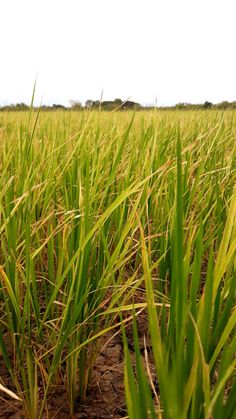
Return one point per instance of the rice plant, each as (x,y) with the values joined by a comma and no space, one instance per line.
(97,211)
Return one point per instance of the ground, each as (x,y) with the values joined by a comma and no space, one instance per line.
(106,396)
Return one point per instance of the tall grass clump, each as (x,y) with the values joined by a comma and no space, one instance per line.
(98,212)
(193,337)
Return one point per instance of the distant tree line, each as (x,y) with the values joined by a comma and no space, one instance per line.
(118,104)
(107,105)
(205,105)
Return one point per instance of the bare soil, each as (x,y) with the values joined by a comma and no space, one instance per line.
(106,394)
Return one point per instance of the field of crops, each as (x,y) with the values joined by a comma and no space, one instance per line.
(118,227)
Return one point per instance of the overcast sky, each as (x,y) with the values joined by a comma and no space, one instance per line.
(169,50)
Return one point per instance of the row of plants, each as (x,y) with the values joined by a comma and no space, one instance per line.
(98,210)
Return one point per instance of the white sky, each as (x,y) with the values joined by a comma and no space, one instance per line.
(172,50)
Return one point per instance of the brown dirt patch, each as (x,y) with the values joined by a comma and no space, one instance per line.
(106,395)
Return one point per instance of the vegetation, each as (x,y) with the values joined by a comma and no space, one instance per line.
(118,104)
(106,214)
(107,105)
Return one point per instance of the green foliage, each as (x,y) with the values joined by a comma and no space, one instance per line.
(96,209)
(118,104)
(194,378)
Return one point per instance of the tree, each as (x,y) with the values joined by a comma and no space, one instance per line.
(118,102)
(89,103)
(207,105)
(58,106)
(75,105)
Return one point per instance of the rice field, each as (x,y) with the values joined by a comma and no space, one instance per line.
(106,218)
